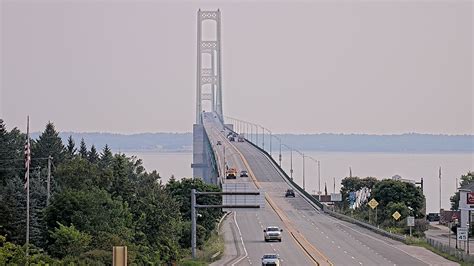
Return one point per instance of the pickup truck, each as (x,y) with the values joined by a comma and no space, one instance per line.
(272,233)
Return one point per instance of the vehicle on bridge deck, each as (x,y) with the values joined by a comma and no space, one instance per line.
(231,138)
(290,193)
(244,173)
(272,233)
(271,259)
(241,138)
(231,173)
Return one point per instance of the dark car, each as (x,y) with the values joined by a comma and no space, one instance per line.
(231,138)
(432,217)
(290,193)
(244,173)
(219,142)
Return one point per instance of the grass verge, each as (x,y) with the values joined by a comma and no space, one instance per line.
(214,245)
(422,243)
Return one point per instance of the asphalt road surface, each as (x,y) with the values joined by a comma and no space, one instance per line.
(310,237)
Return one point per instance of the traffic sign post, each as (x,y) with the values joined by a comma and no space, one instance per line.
(233,204)
(373,204)
(462,233)
(396,215)
(410,222)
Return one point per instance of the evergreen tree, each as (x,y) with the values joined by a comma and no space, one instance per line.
(93,156)
(5,155)
(71,149)
(48,144)
(83,149)
(106,157)
(11,153)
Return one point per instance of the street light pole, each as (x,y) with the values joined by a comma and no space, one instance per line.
(291,164)
(319,176)
(263,137)
(271,140)
(304,188)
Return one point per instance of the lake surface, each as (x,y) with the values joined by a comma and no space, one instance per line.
(336,165)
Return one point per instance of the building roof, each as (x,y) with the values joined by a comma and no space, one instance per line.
(469,186)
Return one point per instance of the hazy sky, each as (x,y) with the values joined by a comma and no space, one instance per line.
(307,67)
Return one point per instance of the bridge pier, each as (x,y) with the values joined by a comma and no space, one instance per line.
(203,161)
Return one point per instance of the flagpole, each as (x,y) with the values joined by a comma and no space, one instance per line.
(27,163)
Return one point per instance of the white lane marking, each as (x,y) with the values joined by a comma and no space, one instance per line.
(371,237)
(241,239)
(353,257)
(360,263)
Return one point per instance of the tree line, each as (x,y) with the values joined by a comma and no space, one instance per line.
(98,200)
(392,196)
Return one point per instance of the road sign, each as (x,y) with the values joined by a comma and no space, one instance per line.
(396,215)
(336,197)
(373,204)
(242,200)
(462,233)
(410,221)
(454,217)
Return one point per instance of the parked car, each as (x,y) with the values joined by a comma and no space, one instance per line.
(244,173)
(290,193)
(219,142)
(271,259)
(432,217)
(231,138)
(272,233)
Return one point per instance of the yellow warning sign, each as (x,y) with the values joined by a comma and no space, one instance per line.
(396,215)
(373,204)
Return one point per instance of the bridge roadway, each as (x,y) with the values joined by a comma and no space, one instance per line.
(309,236)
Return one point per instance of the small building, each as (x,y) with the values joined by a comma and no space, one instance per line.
(466,204)
(399,178)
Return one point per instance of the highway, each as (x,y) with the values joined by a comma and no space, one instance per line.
(310,237)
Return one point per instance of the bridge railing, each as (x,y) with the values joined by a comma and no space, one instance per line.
(286,177)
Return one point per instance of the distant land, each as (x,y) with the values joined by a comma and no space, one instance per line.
(182,142)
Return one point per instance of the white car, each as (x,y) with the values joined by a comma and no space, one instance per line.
(272,233)
(271,259)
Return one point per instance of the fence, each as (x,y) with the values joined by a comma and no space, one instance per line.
(450,250)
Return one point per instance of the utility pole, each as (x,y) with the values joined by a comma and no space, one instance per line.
(334,188)
(48,185)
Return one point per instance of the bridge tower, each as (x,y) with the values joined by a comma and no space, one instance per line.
(209,75)
(208,88)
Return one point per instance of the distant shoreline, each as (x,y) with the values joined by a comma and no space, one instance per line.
(322,151)
(411,143)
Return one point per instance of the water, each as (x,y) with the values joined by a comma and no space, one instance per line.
(336,165)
